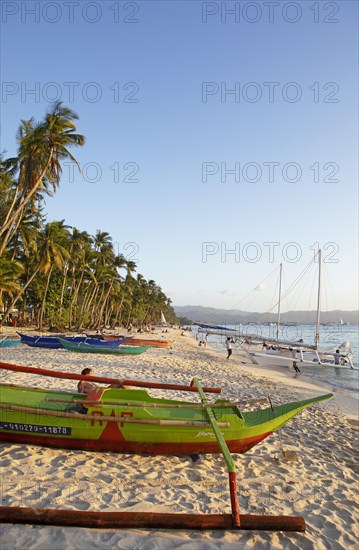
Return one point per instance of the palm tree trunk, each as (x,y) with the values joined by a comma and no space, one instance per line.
(108,315)
(103,304)
(129,315)
(11,232)
(74,298)
(66,268)
(91,298)
(12,205)
(41,317)
(85,301)
(23,200)
(96,308)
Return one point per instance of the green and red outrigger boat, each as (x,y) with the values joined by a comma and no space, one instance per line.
(132,421)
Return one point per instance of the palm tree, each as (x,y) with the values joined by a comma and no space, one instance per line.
(7,188)
(48,252)
(80,267)
(10,272)
(26,235)
(42,147)
(78,242)
(103,248)
(55,236)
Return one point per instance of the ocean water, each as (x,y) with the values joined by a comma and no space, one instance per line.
(330,336)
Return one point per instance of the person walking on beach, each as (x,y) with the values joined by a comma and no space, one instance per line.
(294,355)
(228,345)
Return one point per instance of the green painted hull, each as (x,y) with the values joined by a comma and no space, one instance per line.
(87,431)
(82,347)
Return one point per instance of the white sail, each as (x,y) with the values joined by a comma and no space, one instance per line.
(163,319)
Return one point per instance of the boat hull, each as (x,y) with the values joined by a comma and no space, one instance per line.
(149,342)
(83,347)
(141,341)
(9,343)
(128,447)
(54,342)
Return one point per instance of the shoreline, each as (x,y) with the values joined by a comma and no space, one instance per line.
(345,403)
(320,485)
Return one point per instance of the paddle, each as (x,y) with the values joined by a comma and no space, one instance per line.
(103,380)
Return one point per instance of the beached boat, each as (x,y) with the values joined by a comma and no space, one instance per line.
(83,347)
(8,342)
(141,341)
(132,421)
(53,342)
(149,342)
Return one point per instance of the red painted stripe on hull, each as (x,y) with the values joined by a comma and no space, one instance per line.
(129,447)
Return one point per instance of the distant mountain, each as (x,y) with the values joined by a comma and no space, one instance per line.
(236,316)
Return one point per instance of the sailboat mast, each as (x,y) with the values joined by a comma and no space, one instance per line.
(279,298)
(317,332)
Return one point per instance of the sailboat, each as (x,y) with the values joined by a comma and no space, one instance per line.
(276,352)
(273,352)
(163,320)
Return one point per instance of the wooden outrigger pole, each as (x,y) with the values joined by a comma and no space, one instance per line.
(103,380)
(147,520)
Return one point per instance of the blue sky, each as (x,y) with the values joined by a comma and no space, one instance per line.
(275,161)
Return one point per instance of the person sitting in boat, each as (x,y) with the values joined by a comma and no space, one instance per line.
(86,386)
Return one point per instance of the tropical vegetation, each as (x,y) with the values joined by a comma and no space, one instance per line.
(52,274)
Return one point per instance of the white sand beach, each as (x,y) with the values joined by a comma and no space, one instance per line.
(321,485)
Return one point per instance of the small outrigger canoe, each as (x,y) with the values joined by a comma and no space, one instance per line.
(141,341)
(8,342)
(149,342)
(131,421)
(83,347)
(53,342)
